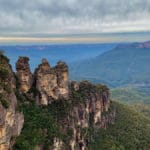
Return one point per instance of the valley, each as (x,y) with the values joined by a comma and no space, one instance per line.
(94,116)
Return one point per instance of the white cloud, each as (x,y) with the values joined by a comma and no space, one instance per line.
(73,16)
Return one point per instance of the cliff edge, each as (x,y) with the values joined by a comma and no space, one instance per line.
(63,114)
(11,120)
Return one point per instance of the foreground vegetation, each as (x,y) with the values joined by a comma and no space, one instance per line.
(131,95)
(131,131)
(41,125)
(137,97)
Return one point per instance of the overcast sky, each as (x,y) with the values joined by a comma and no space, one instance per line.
(47,18)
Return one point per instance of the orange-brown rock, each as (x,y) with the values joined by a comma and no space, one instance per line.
(52,83)
(88,112)
(24,74)
(11,121)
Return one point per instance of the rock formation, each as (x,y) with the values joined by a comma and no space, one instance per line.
(88,112)
(84,105)
(24,74)
(11,121)
(52,83)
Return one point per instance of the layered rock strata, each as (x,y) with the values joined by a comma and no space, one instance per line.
(52,83)
(24,74)
(11,121)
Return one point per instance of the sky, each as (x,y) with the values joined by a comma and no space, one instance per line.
(53,20)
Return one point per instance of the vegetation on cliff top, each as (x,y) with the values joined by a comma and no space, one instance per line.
(4,80)
(131,95)
(137,97)
(43,123)
(131,131)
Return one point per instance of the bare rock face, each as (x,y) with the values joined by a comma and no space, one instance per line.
(89,106)
(75,85)
(11,121)
(24,74)
(92,111)
(85,105)
(58,144)
(52,83)
(61,70)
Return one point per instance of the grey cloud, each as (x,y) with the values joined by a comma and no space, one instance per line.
(73,15)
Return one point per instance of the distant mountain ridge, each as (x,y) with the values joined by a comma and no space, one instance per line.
(135,45)
(54,53)
(127,64)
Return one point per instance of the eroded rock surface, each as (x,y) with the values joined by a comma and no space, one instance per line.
(24,74)
(91,112)
(83,106)
(11,121)
(52,83)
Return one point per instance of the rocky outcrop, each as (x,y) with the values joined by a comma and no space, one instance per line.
(11,121)
(61,70)
(52,83)
(24,74)
(88,104)
(91,111)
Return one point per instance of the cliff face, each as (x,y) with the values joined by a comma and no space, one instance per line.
(83,106)
(24,74)
(52,83)
(90,109)
(11,121)
(77,109)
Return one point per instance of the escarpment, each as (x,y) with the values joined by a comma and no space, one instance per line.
(65,115)
(89,110)
(76,107)
(11,120)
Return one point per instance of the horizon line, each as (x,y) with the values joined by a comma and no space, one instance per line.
(78,38)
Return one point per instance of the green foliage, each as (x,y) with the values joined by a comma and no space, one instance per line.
(142,108)
(7,88)
(34,91)
(42,123)
(17,82)
(39,128)
(131,131)
(3,72)
(59,109)
(84,93)
(131,95)
(3,57)
(3,101)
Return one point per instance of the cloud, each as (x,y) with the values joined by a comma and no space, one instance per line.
(73,16)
